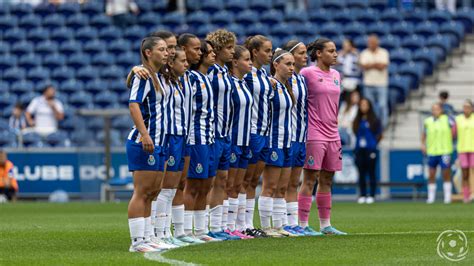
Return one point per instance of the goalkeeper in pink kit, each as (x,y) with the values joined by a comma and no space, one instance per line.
(323,147)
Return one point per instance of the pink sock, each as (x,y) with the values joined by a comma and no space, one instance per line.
(467,193)
(304,208)
(323,200)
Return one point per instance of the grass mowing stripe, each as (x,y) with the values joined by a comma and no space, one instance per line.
(157,256)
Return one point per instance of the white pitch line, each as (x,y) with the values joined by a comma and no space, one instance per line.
(158,256)
(405,233)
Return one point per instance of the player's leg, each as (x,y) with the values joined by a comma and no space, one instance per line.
(446,172)
(372,161)
(271,176)
(464,162)
(280,221)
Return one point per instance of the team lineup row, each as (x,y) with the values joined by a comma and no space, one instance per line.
(209,121)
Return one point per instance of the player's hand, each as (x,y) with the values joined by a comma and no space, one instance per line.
(141,72)
(147,144)
(273,82)
(51,103)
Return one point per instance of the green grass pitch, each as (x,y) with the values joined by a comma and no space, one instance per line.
(403,233)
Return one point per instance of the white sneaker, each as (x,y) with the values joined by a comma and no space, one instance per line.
(370,200)
(361,200)
(142,247)
(429,201)
(161,244)
(447,201)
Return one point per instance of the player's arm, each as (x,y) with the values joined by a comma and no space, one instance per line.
(140,71)
(423,141)
(31,109)
(137,118)
(452,124)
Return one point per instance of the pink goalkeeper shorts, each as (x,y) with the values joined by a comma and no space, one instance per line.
(324,155)
(466,159)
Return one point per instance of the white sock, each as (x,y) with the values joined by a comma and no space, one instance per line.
(431,192)
(241,212)
(249,211)
(232,218)
(169,207)
(292,213)
(137,229)
(279,208)
(285,214)
(323,223)
(207,221)
(265,209)
(200,222)
(148,228)
(178,220)
(447,188)
(161,204)
(216,218)
(188,222)
(153,212)
(225,214)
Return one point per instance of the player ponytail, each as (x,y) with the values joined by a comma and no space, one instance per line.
(317,45)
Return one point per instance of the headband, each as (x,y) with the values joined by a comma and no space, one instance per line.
(278,57)
(294,47)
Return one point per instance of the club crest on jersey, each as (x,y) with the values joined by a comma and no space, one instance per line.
(176,93)
(151,160)
(274,156)
(336,81)
(171,161)
(219,75)
(233,158)
(320,80)
(310,160)
(199,168)
(203,86)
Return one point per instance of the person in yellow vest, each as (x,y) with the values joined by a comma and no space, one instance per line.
(465,146)
(8,184)
(437,144)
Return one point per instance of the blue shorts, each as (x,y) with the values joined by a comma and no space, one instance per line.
(222,149)
(139,160)
(298,151)
(202,164)
(279,157)
(442,160)
(239,157)
(175,153)
(258,148)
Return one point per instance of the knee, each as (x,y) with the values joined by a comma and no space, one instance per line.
(254,182)
(292,187)
(309,182)
(281,191)
(325,181)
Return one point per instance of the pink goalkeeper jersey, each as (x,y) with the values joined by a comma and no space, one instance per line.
(323,103)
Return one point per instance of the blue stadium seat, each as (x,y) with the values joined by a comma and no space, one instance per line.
(279,5)
(392,69)
(95,124)
(149,20)
(426,29)
(145,5)
(441,42)
(320,16)
(39,87)
(296,16)
(28,61)
(453,28)
(271,17)
(62,74)
(7,139)
(106,99)
(345,16)
(13,75)
(29,21)
(400,56)
(77,21)
(53,61)
(110,34)
(357,4)
(416,16)
(115,138)
(402,30)
(21,9)
(193,6)
(247,17)
(360,42)
(353,30)
(305,30)
(260,5)
(21,87)
(6,100)
(466,17)
(62,97)
(46,47)
(128,60)
(439,16)
(70,47)
(4,9)
(122,123)
(94,47)
(27,97)
(281,30)
(87,73)
(57,139)
(71,85)
(222,18)
(7,22)
(124,96)
(53,21)
(92,8)
(80,99)
(135,33)
(197,19)
(86,34)
(72,124)
(14,35)
(366,17)
(7,61)
(112,73)
(204,29)
(44,9)
(173,19)
(160,6)
(330,29)
(401,84)
(38,74)
(379,28)
(414,70)
(119,46)
(257,28)
(212,6)
(117,84)
(78,60)
(83,138)
(236,6)
(61,35)
(21,48)
(69,9)
(429,57)
(379,5)
(413,42)
(102,60)
(237,29)
(95,86)
(333,5)
(38,35)
(100,21)
(4,48)
(32,139)
(391,16)
(4,87)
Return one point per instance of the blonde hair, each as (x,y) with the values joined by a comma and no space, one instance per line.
(220,38)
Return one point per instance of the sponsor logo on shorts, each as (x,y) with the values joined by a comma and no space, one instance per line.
(310,160)
(274,156)
(199,168)
(446,159)
(151,160)
(171,161)
(233,158)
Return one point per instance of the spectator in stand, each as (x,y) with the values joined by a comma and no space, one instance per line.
(17,121)
(347,114)
(449,5)
(8,184)
(374,61)
(120,10)
(46,110)
(448,109)
(348,66)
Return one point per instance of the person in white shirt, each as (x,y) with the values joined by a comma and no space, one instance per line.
(345,119)
(120,10)
(46,111)
(348,66)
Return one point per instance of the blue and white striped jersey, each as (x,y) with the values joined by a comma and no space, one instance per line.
(152,106)
(188,94)
(261,88)
(300,113)
(281,116)
(175,109)
(242,102)
(201,128)
(220,81)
